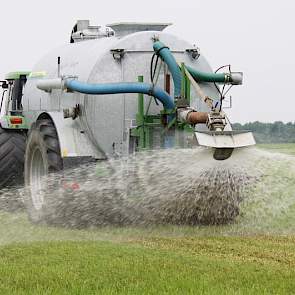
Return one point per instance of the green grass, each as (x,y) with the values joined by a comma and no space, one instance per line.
(285,148)
(256,255)
(152,266)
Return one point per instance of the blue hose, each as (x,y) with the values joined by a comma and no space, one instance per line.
(169,59)
(126,87)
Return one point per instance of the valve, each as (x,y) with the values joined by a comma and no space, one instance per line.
(216,121)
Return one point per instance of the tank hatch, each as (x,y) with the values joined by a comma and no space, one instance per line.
(123,29)
(83,31)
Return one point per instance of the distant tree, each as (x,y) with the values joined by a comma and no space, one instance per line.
(277,132)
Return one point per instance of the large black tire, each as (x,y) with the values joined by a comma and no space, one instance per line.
(12,152)
(42,157)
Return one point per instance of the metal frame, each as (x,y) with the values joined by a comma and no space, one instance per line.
(145,123)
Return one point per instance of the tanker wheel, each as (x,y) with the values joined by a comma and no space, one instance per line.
(42,157)
(12,151)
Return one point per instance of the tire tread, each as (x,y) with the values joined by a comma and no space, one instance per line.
(50,137)
(12,150)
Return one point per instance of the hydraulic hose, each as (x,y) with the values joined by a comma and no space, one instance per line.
(166,55)
(125,87)
(231,78)
(209,77)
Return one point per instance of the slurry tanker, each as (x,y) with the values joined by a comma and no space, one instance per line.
(112,92)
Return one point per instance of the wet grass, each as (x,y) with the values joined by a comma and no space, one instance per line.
(256,255)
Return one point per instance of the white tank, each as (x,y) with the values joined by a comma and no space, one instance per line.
(106,119)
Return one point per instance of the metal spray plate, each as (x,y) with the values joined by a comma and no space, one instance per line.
(225,139)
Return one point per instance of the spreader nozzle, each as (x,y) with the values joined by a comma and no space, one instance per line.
(224,142)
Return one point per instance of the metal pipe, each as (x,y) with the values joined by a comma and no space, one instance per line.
(48,85)
(58,66)
(197,118)
(140,116)
(192,117)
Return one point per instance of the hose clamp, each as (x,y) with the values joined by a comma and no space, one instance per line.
(157,52)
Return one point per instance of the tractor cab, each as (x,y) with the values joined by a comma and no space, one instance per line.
(11,101)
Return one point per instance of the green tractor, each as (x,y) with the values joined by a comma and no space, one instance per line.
(13,130)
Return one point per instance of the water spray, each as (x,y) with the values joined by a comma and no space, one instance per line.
(110,98)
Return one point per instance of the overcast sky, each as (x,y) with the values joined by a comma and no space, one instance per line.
(256,37)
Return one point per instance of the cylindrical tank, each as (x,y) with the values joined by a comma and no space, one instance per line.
(107,119)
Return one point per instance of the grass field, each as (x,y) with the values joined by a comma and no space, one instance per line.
(257,257)
(286,148)
(150,266)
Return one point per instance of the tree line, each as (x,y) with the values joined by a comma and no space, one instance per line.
(277,132)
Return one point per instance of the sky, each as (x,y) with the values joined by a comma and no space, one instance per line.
(255,37)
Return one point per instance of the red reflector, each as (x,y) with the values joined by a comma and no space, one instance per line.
(16,121)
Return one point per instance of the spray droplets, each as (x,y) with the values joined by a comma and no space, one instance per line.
(180,187)
(252,192)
